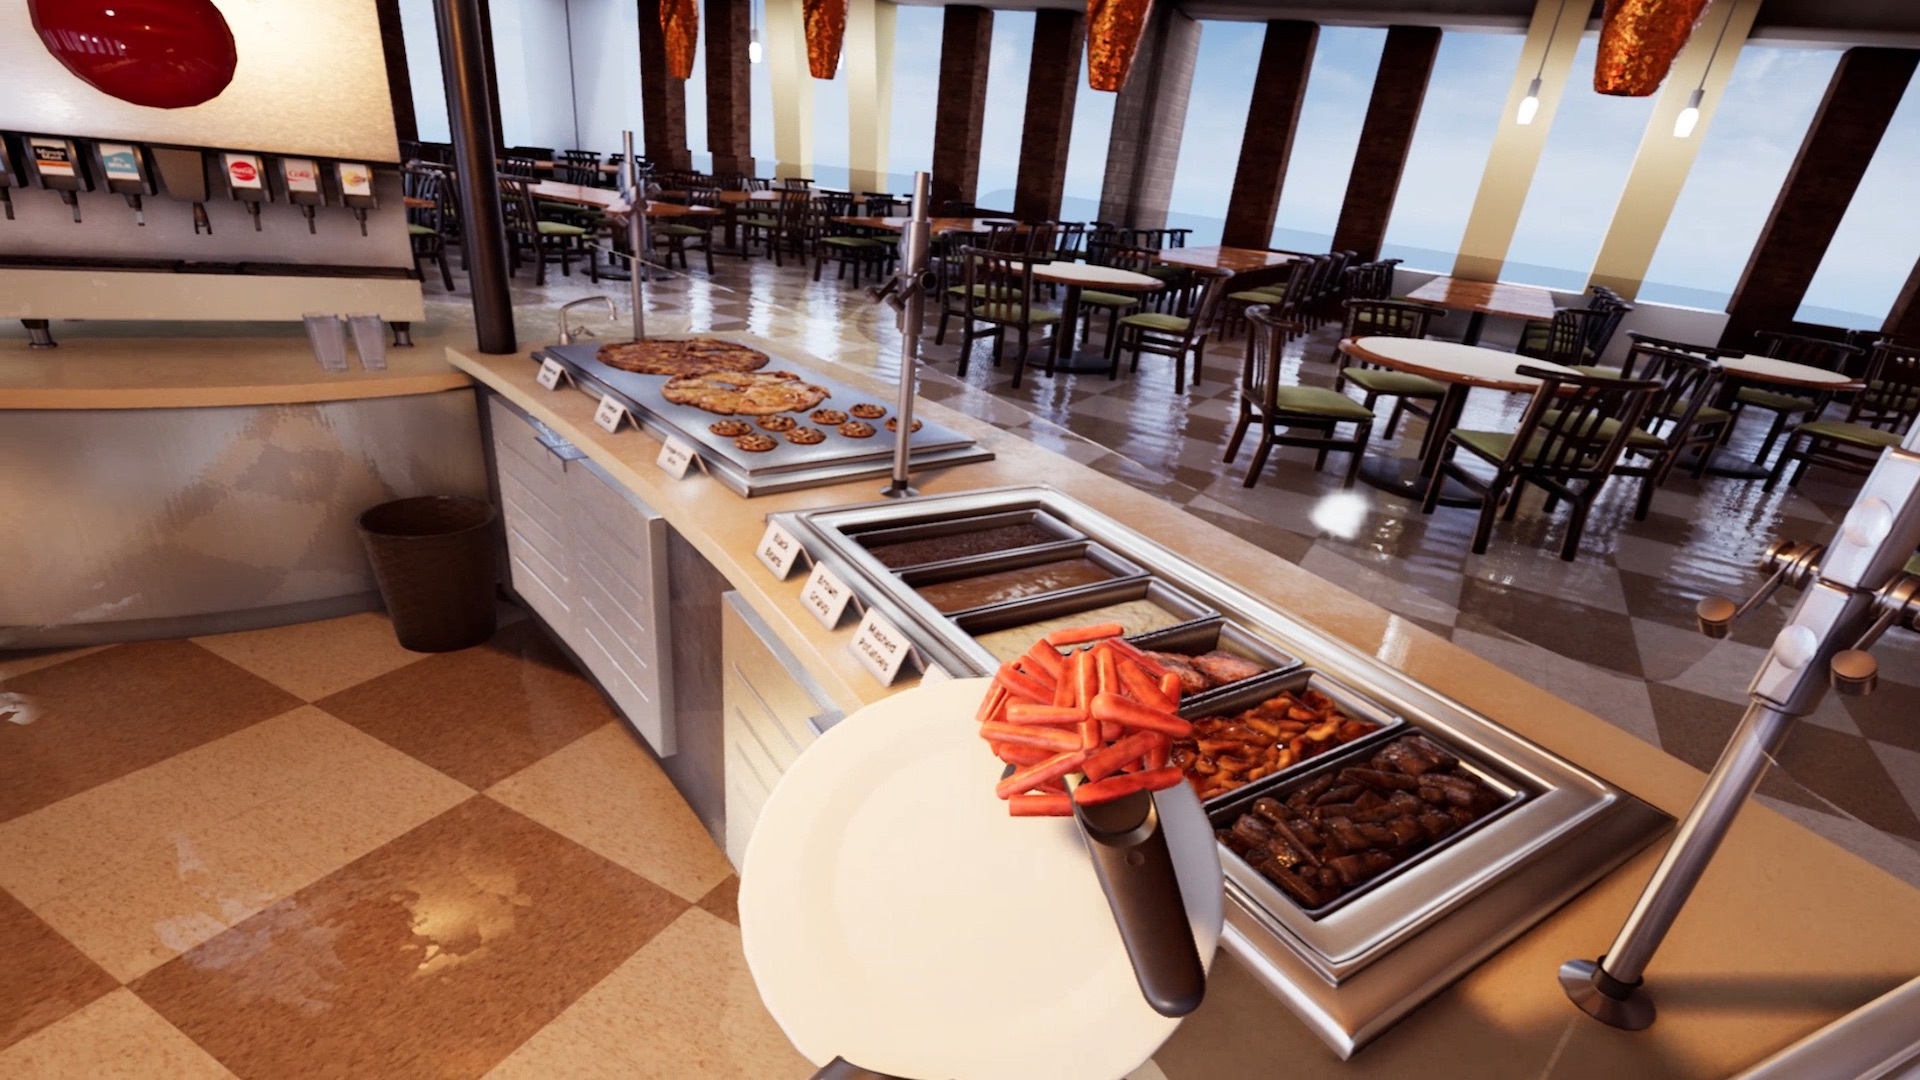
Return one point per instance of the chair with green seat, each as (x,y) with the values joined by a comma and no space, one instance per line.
(683,234)
(1265,400)
(847,245)
(1569,440)
(1671,424)
(1710,422)
(1284,297)
(769,224)
(1878,418)
(1137,260)
(1388,318)
(1786,405)
(1174,336)
(1000,293)
(426,226)
(528,234)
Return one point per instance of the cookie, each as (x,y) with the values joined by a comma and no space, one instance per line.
(893,424)
(729,428)
(828,417)
(806,436)
(777,423)
(857,429)
(755,443)
(868,411)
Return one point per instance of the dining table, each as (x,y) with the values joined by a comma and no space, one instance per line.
(1480,299)
(1076,276)
(1754,370)
(1462,368)
(1233,260)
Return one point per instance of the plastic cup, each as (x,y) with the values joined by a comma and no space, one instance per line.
(370,341)
(328,337)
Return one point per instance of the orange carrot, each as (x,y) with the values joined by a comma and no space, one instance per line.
(1021,686)
(1079,635)
(1104,763)
(1106,671)
(1046,738)
(1040,806)
(1129,714)
(1143,687)
(1025,712)
(1033,776)
(1118,787)
(1045,658)
(990,705)
(1170,687)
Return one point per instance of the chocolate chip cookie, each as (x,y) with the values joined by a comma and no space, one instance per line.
(777,423)
(728,429)
(866,410)
(806,436)
(857,429)
(755,443)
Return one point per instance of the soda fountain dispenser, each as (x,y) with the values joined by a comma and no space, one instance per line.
(246,182)
(125,170)
(356,190)
(300,181)
(58,165)
(9,175)
(183,173)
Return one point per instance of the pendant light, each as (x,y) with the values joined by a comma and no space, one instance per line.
(1114,29)
(754,52)
(1689,117)
(825,22)
(1530,105)
(1638,41)
(680,27)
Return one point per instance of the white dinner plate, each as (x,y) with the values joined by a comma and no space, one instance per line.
(893,914)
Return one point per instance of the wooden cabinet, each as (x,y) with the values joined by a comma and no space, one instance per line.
(772,712)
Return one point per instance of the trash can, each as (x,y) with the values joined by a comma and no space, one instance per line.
(433,558)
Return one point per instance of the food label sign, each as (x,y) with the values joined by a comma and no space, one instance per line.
(610,413)
(825,595)
(778,550)
(676,457)
(120,162)
(551,373)
(53,157)
(880,648)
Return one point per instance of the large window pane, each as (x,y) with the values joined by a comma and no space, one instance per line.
(1006,111)
(1087,151)
(1216,119)
(1874,249)
(761,101)
(1339,86)
(1576,187)
(1461,113)
(916,93)
(422,36)
(830,126)
(1742,162)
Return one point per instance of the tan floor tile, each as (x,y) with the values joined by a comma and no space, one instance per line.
(347,812)
(608,793)
(43,978)
(116,1038)
(684,1006)
(167,901)
(119,710)
(315,659)
(19,663)
(481,714)
(435,955)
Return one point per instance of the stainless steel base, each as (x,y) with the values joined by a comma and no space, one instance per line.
(1580,979)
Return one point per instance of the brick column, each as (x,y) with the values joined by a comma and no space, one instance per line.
(966,42)
(663,99)
(1399,88)
(393,49)
(1860,100)
(1278,88)
(1059,41)
(729,84)
(1149,117)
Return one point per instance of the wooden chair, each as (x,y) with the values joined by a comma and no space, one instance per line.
(1568,442)
(1671,424)
(1878,418)
(1388,318)
(1786,405)
(846,245)
(690,233)
(1173,336)
(999,292)
(1284,297)
(528,234)
(1263,399)
(578,167)
(1138,260)
(426,226)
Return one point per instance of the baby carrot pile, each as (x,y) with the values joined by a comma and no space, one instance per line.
(1105,711)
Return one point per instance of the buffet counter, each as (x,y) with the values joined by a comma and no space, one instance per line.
(1786,931)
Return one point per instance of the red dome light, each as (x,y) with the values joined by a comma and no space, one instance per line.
(167,54)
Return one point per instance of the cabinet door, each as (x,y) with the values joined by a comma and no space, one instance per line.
(770,708)
(620,598)
(533,508)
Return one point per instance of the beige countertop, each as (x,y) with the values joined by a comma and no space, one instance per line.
(1785,933)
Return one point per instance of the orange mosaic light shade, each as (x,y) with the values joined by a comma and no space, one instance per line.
(1114,29)
(680,25)
(1638,41)
(826,25)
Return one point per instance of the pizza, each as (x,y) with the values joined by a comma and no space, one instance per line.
(689,357)
(732,393)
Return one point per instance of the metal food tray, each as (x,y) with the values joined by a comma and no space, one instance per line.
(1206,635)
(875,537)
(788,466)
(1247,693)
(1223,811)
(1121,570)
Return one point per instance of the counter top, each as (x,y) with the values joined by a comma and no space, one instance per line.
(1785,933)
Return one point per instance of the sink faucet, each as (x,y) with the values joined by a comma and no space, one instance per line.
(566,332)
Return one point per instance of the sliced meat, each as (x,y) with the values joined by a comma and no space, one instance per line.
(1224,667)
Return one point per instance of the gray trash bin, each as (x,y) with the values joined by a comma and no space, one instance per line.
(433,558)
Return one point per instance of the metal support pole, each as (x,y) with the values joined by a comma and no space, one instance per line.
(463,57)
(915,240)
(637,235)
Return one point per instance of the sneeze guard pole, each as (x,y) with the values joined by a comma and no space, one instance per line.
(914,243)
(637,235)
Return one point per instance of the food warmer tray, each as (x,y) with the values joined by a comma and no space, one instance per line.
(788,466)
(1364,965)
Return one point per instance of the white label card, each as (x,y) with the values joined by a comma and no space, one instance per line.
(676,457)
(825,595)
(934,674)
(778,550)
(610,413)
(880,648)
(551,373)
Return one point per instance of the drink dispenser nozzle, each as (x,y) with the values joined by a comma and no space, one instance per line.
(9,175)
(300,179)
(246,182)
(183,173)
(58,164)
(356,190)
(125,171)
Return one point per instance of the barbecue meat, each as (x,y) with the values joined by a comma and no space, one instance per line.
(1224,667)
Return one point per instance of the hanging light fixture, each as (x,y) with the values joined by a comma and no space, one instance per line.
(826,26)
(1689,117)
(680,26)
(754,52)
(1638,41)
(1530,105)
(1114,29)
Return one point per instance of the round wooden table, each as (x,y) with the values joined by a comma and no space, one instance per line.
(1771,371)
(1461,367)
(1077,276)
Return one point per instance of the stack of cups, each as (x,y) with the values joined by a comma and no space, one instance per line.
(370,339)
(328,336)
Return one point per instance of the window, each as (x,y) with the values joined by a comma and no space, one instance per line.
(1458,118)
(1576,187)
(831,150)
(1339,86)
(1006,112)
(1217,106)
(422,37)
(1874,249)
(760,98)
(1742,161)
(917,36)
(1087,151)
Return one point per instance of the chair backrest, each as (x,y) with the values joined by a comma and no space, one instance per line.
(516,205)
(879,203)
(1565,432)
(429,184)
(1570,335)
(1260,371)
(1388,318)
(1687,381)
(1029,238)
(1811,351)
(1069,239)
(1213,291)
(1600,331)
(517,165)
(1294,291)
(703,195)
(1892,396)
(580,167)
(994,276)
(1138,260)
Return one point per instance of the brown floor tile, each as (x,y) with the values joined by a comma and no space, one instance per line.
(1844,769)
(16,662)
(481,714)
(109,713)
(317,658)
(1563,625)
(1695,728)
(435,955)
(723,901)
(43,977)
(116,1038)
